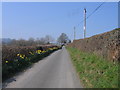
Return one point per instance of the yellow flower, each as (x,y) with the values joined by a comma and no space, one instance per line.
(55,48)
(39,50)
(6,61)
(18,54)
(50,49)
(21,56)
(43,51)
(31,53)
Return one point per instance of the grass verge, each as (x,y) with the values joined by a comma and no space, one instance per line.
(94,71)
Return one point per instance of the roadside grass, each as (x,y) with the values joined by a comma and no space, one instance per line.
(94,71)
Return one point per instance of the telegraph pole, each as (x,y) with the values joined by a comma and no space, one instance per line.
(74,33)
(84,22)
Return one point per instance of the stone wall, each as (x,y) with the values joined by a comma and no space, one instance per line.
(106,45)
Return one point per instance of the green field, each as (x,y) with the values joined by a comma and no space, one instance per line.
(94,71)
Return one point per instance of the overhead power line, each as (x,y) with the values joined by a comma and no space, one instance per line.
(91,13)
(95,10)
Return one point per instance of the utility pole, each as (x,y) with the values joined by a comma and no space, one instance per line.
(74,33)
(84,22)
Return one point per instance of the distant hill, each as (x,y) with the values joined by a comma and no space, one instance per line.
(5,40)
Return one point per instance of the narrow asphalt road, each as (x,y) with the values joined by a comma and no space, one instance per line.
(54,71)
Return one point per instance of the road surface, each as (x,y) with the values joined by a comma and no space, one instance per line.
(54,71)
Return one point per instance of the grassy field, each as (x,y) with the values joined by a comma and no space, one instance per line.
(94,71)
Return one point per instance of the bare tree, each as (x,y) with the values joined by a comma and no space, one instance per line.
(21,42)
(42,40)
(13,42)
(63,38)
(37,41)
(49,39)
(31,41)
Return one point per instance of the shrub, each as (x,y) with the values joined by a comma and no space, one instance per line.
(15,59)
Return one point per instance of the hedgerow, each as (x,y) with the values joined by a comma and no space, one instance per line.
(20,58)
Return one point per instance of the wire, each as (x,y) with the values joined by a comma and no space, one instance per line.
(91,13)
(95,10)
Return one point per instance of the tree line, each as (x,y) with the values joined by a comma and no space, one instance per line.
(48,39)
